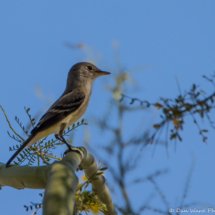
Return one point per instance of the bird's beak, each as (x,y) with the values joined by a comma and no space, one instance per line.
(100,73)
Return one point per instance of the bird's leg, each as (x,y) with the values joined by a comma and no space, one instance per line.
(67,144)
(60,136)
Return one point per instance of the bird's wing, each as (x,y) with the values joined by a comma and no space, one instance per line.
(64,106)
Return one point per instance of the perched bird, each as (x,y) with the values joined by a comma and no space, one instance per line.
(68,108)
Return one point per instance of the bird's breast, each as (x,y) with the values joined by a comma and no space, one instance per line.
(76,115)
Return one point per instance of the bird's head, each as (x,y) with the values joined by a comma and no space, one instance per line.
(84,73)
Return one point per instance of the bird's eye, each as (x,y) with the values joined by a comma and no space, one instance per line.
(90,67)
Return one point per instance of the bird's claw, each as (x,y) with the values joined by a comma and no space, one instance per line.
(74,149)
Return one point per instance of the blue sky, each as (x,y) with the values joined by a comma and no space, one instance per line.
(167,38)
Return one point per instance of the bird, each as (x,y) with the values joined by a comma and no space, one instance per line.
(68,109)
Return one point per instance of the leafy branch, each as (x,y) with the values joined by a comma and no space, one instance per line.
(86,201)
(192,103)
(41,148)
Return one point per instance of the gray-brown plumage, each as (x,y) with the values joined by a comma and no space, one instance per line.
(68,108)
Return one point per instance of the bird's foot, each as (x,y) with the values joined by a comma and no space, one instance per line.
(70,148)
(74,149)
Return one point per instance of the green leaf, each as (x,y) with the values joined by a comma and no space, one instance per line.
(179,137)
(99,173)
(173,136)
(132,101)
(194,87)
(158,105)
(156,126)
(204,130)
(103,169)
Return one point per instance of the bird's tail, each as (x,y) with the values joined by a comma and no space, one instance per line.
(20,149)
